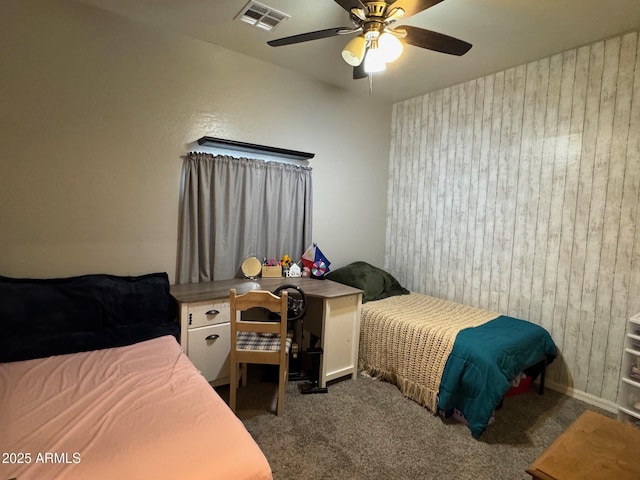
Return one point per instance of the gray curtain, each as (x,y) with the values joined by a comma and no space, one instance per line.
(232,208)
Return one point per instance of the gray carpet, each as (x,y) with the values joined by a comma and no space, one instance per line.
(366,429)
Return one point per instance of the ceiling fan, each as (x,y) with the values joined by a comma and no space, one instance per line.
(379,42)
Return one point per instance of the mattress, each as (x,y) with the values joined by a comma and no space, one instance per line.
(447,356)
(407,340)
(141,411)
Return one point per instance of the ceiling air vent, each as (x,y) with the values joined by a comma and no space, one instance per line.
(261,16)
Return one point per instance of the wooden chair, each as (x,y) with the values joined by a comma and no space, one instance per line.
(257,341)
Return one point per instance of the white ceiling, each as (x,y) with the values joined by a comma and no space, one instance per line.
(504,33)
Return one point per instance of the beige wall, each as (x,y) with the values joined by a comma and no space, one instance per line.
(519,192)
(97,112)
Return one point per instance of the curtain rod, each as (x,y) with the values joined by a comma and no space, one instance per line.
(252,147)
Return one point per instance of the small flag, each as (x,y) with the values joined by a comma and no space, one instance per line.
(315,261)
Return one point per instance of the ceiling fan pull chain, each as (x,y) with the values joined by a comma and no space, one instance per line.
(370,84)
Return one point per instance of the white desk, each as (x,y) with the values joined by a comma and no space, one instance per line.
(333,314)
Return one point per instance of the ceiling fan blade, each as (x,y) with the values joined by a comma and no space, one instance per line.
(348,4)
(306,37)
(439,42)
(358,72)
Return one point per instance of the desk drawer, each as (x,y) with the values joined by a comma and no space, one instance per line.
(209,349)
(208,313)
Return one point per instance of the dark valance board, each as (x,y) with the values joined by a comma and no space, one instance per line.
(251,147)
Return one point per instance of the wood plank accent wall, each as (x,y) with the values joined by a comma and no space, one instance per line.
(519,191)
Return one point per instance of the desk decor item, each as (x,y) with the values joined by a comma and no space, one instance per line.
(250,267)
(271,268)
(294,271)
(314,260)
(286,262)
(271,271)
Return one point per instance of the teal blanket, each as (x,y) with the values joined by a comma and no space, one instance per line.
(483,361)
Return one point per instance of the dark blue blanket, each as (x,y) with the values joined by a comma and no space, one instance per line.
(56,316)
(482,363)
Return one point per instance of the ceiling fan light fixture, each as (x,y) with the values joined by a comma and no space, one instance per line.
(353,52)
(390,47)
(374,61)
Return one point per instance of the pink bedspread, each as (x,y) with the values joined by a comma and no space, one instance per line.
(136,412)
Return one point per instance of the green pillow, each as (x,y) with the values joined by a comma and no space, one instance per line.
(376,283)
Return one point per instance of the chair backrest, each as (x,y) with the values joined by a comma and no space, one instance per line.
(264,300)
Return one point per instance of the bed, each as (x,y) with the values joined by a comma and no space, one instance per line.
(112,396)
(444,355)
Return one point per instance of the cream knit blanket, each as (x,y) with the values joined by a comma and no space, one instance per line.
(407,339)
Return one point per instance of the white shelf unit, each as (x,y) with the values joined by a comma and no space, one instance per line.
(629,395)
